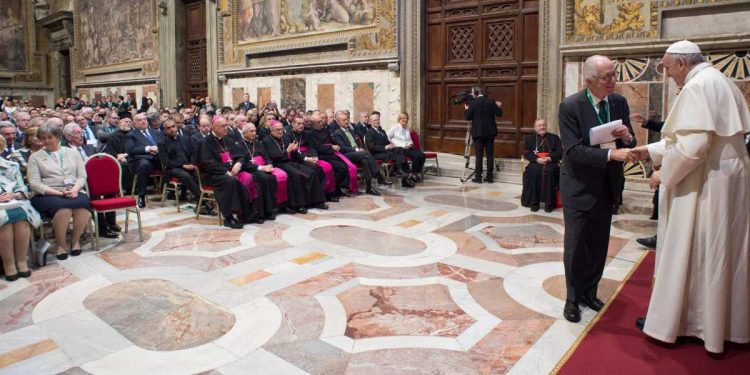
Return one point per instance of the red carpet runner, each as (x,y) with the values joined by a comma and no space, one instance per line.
(613,345)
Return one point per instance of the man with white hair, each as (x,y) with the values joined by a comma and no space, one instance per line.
(590,180)
(702,274)
(74,137)
(23,120)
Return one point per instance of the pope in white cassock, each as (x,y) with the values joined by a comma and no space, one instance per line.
(702,284)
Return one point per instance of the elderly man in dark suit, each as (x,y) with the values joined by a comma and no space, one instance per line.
(141,144)
(246,103)
(590,180)
(482,112)
(353,148)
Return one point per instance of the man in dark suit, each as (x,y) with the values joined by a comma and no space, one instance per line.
(204,129)
(353,148)
(174,154)
(363,125)
(246,103)
(590,180)
(115,145)
(482,112)
(141,144)
(380,146)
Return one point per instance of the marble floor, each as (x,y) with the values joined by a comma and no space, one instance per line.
(441,279)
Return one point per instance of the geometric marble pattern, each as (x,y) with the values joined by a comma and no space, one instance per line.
(444,278)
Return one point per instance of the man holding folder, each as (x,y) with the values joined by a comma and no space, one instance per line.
(590,180)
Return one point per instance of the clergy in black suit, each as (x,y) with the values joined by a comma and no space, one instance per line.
(482,112)
(590,180)
(115,146)
(296,134)
(141,144)
(320,141)
(174,153)
(262,174)
(220,162)
(303,183)
(541,178)
(353,148)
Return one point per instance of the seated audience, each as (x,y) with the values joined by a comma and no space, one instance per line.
(31,143)
(304,183)
(400,136)
(17,216)
(174,154)
(542,176)
(353,148)
(297,134)
(56,176)
(9,132)
(262,174)
(220,162)
(319,139)
(382,148)
(74,138)
(141,145)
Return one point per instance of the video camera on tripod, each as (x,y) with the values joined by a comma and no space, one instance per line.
(462,97)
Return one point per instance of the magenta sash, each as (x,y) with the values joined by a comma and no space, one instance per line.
(353,184)
(327,170)
(281,189)
(249,184)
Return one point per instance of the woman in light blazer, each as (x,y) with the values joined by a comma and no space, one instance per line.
(56,176)
(16,218)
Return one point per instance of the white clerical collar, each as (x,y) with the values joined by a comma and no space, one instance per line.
(696,69)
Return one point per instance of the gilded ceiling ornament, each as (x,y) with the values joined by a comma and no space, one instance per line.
(589,19)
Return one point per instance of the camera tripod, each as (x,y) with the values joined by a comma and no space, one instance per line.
(469,171)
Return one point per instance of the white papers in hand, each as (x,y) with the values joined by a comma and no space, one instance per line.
(10,204)
(603,133)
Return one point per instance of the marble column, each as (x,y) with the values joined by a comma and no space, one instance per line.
(410,59)
(549,88)
(212,58)
(168,75)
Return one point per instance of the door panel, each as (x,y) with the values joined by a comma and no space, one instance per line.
(195,69)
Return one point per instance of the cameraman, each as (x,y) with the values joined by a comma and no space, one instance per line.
(482,112)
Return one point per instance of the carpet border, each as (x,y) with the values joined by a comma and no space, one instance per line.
(593,322)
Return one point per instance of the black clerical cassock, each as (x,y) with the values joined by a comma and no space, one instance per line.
(174,154)
(320,142)
(303,183)
(265,181)
(540,182)
(230,193)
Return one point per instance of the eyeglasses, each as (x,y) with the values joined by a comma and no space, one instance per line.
(607,77)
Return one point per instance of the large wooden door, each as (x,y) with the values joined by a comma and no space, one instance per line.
(194,66)
(492,43)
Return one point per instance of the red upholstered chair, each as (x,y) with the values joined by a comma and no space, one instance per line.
(103,176)
(427,155)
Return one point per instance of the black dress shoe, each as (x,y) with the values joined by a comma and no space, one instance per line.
(383,181)
(571,312)
(321,206)
(342,193)
(534,207)
(62,256)
(231,222)
(640,323)
(300,210)
(141,201)
(12,278)
(593,303)
(489,180)
(372,191)
(255,220)
(407,183)
(332,198)
(477,180)
(548,208)
(115,228)
(271,216)
(107,233)
(649,242)
(76,252)
(25,274)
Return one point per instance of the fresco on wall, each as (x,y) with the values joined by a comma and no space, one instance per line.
(278,19)
(12,35)
(125,36)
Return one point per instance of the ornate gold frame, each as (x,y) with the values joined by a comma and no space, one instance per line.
(304,40)
(625,26)
(78,42)
(30,38)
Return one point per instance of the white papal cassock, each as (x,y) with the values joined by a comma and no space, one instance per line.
(702,286)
